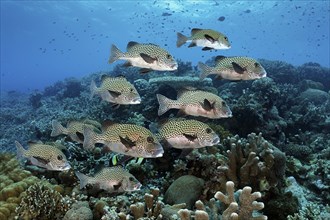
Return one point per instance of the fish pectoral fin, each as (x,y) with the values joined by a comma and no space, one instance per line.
(114,94)
(41,160)
(127,142)
(192,44)
(147,58)
(238,68)
(80,136)
(207,105)
(207,48)
(117,186)
(190,137)
(209,38)
(145,70)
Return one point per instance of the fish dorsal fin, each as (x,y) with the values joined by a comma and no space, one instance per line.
(185,89)
(104,77)
(127,142)
(114,94)
(219,58)
(195,30)
(209,38)
(121,76)
(131,44)
(190,137)
(107,123)
(33,143)
(207,105)
(147,58)
(238,68)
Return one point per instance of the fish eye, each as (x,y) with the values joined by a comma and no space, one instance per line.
(226,38)
(169,56)
(150,139)
(208,130)
(132,90)
(59,157)
(256,64)
(223,103)
(131,178)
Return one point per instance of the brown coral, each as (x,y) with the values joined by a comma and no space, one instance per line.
(254,162)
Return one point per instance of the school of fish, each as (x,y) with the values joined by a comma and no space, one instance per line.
(136,141)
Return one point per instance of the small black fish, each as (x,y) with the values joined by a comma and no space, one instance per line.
(166,14)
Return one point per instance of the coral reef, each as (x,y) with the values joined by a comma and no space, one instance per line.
(186,189)
(254,162)
(247,203)
(13,182)
(40,201)
(291,108)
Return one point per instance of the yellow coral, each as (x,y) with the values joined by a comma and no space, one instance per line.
(13,182)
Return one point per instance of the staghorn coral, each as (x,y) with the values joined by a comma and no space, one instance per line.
(40,201)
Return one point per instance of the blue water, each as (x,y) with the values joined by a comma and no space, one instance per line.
(46,41)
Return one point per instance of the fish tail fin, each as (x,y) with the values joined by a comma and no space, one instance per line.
(93,88)
(20,150)
(115,54)
(57,129)
(205,69)
(164,104)
(89,139)
(181,39)
(83,179)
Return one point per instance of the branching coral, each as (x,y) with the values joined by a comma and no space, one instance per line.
(254,162)
(40,201)
(244,208)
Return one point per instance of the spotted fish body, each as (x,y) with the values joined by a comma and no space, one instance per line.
(127,139)
(234,68)
(195,103)
(185,134)
(42,155)
(146,56)
(74,129)
(206,38)
(117,90)
(111,179)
